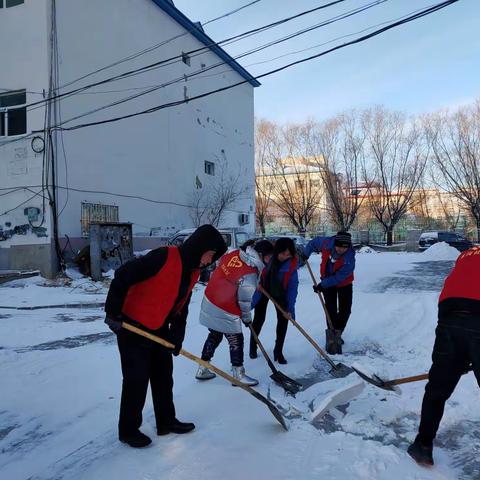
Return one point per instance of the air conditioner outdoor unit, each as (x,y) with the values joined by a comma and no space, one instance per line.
(243,219)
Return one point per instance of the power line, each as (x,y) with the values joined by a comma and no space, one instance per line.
(36,194)
(154,47)
(255,50)
(363,38)
(182,55)
(293,52)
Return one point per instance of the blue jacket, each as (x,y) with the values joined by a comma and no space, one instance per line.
(290,292)
(331,278)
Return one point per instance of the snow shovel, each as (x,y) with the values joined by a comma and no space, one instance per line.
(389,385)
(287,383)
(332,345)
(275,412)
(338,370)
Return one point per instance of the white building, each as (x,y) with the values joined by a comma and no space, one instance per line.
(147,169)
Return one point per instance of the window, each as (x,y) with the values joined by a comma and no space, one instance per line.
(241,238)
(13,113)
(96,212)
(10,3)
(186,58)
(209,168)
(228,239)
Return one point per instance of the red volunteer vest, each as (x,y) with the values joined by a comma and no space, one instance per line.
(336,266)
(223,285)
(464,279)
(286,276)
(151,301)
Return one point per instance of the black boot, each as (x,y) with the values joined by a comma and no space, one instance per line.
(175,427)
(136,440)
(338,341)
(253,350)
(421,453)
(331,345)
(278,357)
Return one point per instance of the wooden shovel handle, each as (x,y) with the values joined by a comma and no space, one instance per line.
(183,352)
(302,331)
(262,348)
(415,378)
(314,280)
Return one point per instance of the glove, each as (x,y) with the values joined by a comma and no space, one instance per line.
(318,288)
(247,320)
(172,338)
(303,257)
(114,322)
(176,350)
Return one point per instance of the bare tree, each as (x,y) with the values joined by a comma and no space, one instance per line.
(210,202)
(265,137)
(198,207)
(455,142)
(397,159)
(297,182)
(339,155)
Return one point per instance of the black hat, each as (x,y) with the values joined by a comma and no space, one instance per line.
(263,247)
(343,239)
(282,244)
(203,239)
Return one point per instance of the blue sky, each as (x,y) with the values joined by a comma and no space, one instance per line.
(423,66)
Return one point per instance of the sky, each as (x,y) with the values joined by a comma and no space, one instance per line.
(428,64)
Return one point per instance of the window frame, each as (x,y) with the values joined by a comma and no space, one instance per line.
(5,3)
(4,113)
(209,168)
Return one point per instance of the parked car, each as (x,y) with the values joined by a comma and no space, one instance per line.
(233,237)
(300,243)
(455,240)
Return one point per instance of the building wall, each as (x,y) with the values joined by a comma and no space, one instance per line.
(158,156)
(24,65)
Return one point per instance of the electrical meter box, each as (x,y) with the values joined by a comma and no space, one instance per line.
(111,246)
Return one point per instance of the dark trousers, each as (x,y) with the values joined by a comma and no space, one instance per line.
(456,349)
(259,320)
(338,301)
(235,344)
(144,361)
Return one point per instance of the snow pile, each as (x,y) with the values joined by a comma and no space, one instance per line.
(441,251)
(366,250)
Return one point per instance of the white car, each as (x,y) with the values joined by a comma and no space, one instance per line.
(233,237)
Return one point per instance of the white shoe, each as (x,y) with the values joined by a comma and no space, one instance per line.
(239,374)
(203,373)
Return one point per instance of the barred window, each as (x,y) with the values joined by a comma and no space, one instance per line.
(95,213)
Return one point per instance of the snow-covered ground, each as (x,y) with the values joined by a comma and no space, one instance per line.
(60,387)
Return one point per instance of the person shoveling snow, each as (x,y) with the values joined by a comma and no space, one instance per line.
(456,349)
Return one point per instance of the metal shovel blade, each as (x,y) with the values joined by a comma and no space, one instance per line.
(376,380)
(341,370)
(288,384)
